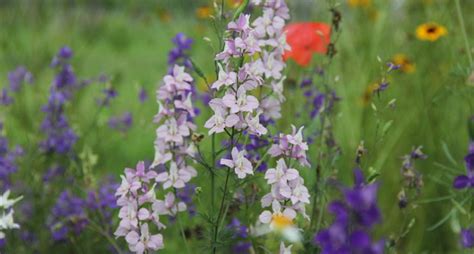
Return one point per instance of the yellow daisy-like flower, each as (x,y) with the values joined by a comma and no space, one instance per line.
(430,31)
(359,3)
(204,12)
(406,65)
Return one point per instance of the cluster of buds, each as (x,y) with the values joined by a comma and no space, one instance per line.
(412,178)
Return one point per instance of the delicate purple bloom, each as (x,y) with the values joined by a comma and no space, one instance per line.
(467,180)
(241,165)
(5,99)
(142,95)
(65,52)
(179,54)
(176,177)
(354,218)
(240,234)
(68,216)
(18,77)
(52,173)
(121,123)
(306,82)
(109,94)
(292,146)
(467,238)
(318,104)
(186,195)
(60,137)
(8,161)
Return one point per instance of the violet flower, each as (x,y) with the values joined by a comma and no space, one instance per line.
(68,216)
(241,165)
(8,161)
(121,123)
(179,54)
(142,95)
(60,137)
(467,180)
(5,99)
(467,238)
(240,233)
(18,77)
(355,216)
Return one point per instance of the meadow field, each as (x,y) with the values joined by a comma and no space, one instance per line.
(383,88)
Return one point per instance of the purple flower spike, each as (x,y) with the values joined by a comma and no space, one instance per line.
(18,77)
(467,238)
(354,218)
(467,180)
(65,52)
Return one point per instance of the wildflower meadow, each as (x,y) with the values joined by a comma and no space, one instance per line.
(237,126)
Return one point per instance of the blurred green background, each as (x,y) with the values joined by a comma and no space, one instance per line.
(129,40)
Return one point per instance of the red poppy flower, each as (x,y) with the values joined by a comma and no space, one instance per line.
(305,39)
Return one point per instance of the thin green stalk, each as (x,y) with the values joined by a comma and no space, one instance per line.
(464,33)
(213,184)
(224,196)
(106,235)
(182,233)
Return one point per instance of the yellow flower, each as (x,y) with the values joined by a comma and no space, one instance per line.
(430,31)
(369,91)
(406,65)
(280,221)
(163,15)
(359,3)
(234,3)
(204,12)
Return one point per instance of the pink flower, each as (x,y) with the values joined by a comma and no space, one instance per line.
(163,111)
(168,206)
(281,174)
(140,172)
(291,145)
(172,131)
(271,108)
(176,177)
(130,184)
(180,80)
(229,51)
(273,67)
(129,218)
(139,243)
(240,102)
(268,23)
(220,119)
(162,155)
(254,125)
(248,44)
(241,165)
(225,78)
(241,24)
(186,105)
(300,194)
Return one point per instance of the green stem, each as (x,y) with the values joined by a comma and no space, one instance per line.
(213,187)
(224,196)
(182,233)
(464,33)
